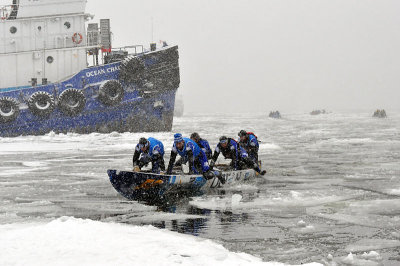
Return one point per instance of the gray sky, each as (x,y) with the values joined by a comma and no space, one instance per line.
(262,55)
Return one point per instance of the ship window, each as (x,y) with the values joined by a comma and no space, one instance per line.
(13,29)
(67,25)
(50,59)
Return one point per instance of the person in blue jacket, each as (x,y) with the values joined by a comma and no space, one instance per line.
(203,144)
(148,151)
(191,152)
(232,150)
(250,143)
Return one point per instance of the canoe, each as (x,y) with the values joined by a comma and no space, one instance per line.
(148,186)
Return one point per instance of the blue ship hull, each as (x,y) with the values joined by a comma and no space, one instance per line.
(148,85)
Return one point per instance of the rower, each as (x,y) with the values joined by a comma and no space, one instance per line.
(232,150)
(250,143)
(203,144)
(190,151)
(148,151)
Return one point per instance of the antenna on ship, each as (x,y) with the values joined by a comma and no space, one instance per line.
(152,30)
(152,44)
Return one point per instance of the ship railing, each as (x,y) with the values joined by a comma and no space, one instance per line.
(5,11)
(131,49)
(9,11)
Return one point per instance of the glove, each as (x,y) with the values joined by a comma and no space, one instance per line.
(212,163)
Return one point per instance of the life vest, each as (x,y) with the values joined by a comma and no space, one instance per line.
(251,133)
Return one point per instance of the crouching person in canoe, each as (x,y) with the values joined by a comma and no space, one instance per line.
(148,151)
(202,143)
(191,152)
(232,150)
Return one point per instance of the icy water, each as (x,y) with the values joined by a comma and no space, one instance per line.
(332,187)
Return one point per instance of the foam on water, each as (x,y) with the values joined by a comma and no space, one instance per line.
(6,171)
(374,213)
(272,201)
(367,259)
(395,191)
(269,146)
(372,244)
(241,187)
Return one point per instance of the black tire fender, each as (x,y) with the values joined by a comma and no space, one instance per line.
(9,109)
(111,93)
(41,104)
(72,102)
(133,70)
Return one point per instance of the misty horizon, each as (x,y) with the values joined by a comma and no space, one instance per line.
(261,56)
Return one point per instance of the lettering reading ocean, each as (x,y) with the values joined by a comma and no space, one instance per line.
(102,71)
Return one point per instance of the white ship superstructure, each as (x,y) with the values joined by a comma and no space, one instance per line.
(42,41)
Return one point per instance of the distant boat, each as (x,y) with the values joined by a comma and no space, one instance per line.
(46,83)
(276,115)
(318,112)
(179,106)
(380,113)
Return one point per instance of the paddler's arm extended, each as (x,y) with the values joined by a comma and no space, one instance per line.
(172,159)
(136,156)
(160,160)
(215,157)
(191,161)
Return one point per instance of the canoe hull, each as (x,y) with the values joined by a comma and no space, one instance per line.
(147,186)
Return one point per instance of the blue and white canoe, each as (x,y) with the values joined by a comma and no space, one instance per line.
(147,186)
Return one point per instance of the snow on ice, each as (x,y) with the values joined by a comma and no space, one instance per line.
(70,241)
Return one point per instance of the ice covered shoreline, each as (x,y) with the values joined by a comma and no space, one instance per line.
(71,241)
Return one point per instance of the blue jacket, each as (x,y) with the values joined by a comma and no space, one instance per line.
(190,145)
(189,152)
(251,144)
(203,144)
(154,154)
(232,151)
(155,148)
